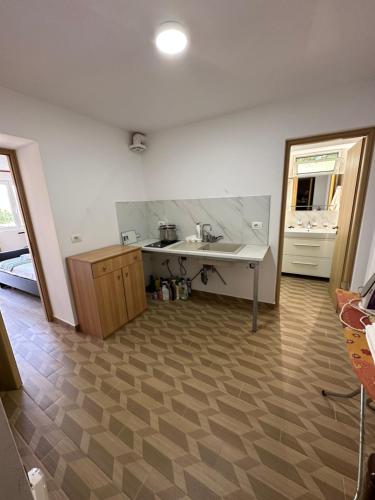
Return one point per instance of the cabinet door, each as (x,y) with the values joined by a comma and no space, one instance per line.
(134,289)
(110,296)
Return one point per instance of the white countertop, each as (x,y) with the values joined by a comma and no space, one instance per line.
(314,232)
(248,253)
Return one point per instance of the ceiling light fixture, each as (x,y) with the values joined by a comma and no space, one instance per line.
(171,38)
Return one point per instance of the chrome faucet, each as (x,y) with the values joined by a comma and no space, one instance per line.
(207,235)
(308,225)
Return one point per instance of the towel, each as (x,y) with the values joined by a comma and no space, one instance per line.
(370,337)
(335,203)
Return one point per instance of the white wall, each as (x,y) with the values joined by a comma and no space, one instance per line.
(242,154)
(87,168)
(371,263)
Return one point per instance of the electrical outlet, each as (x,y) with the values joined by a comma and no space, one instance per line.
(75,238)
(256,225)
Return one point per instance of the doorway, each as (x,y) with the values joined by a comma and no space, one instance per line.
(20,264)
(324,188)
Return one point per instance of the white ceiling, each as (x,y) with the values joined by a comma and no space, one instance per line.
(97,56)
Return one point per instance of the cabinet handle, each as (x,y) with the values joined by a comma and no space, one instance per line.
(304,263)
(118,277)
(104,268)
(135,257)
(126,275)
(305,245)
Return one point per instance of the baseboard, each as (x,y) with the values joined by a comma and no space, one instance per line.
(61,322)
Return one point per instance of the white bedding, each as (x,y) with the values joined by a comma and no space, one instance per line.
(24,271)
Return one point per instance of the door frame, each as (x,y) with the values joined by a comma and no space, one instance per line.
(368,134)
(10,378)
(42,284)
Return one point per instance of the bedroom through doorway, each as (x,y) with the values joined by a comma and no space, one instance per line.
(21,275)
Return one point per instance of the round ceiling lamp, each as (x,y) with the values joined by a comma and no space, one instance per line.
(171,38)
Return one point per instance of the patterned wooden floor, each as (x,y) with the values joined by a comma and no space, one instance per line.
(185,403)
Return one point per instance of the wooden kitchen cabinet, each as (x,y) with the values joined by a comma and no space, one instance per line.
(134,289)
(108,288)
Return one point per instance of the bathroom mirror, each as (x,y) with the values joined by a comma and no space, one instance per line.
(314,192)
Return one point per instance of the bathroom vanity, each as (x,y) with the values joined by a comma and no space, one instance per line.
(308,251)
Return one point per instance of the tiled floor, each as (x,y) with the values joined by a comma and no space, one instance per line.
(184,402)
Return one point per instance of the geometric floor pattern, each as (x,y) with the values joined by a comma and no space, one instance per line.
(186,403)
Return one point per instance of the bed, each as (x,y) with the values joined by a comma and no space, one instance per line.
(17,271)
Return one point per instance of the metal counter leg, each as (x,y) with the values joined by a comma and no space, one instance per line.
(255,267)
(339,395)
(362,408)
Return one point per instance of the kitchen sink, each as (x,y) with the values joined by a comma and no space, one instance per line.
(190,246)
(222,247)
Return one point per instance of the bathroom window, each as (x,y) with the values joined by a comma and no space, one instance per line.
(316,164)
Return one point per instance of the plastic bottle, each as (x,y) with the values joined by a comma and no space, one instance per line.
(177,289)
(173,290)
(180,288)
(165,292)
(183,290)
(198,231)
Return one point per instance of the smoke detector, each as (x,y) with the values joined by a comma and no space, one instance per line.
(138,143)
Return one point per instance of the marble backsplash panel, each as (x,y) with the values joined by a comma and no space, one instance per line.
(230,217)
(133,215)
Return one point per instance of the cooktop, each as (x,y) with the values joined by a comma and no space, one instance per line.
(161,244)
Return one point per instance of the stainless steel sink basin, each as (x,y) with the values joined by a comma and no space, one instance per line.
(186,246)
(222,247)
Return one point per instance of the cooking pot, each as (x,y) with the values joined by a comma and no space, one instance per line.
(168,232)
